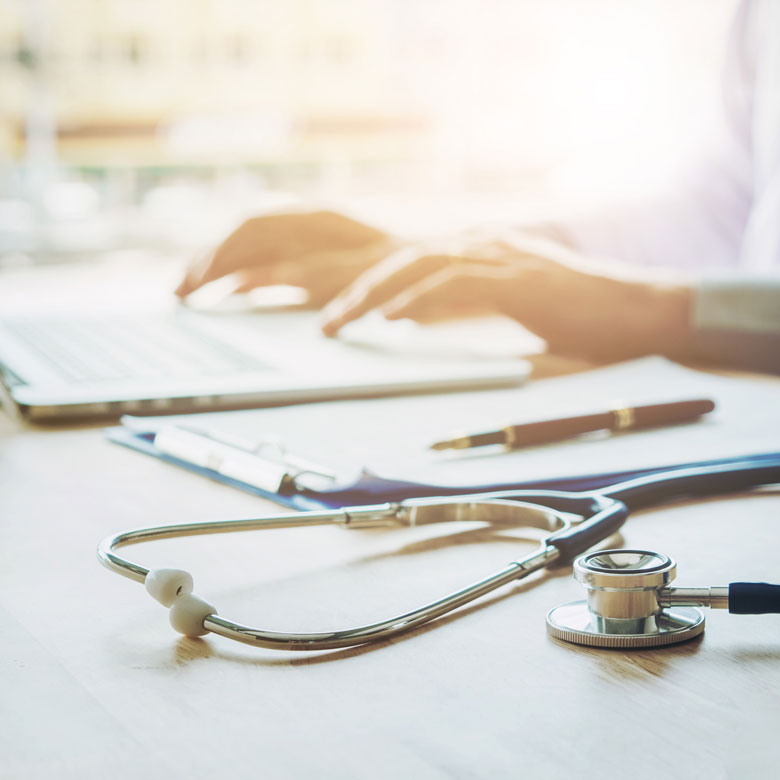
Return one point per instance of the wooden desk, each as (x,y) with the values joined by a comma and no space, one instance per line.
(95,684)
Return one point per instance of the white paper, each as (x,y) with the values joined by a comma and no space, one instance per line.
(392,437)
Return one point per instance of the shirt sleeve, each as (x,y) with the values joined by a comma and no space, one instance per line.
(737,323)
(750,305)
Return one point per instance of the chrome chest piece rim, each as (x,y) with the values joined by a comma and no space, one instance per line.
(622,608)
(572,622)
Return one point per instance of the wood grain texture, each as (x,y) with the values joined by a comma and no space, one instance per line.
(94,677)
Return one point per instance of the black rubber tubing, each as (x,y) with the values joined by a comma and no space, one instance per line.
(754,598)
(592,531)
(694,482)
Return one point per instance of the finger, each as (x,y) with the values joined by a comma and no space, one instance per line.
(252,244)
(208,269)
(455,291)
(291,271)
(212,267)
(188,283)
(197,275)
(322,274)
(263,241)
(379,285)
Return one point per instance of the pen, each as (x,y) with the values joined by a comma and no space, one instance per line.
(616,419)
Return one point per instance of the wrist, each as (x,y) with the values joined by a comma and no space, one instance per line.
(661,314)
(622,319)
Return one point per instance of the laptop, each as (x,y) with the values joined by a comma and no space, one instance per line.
(66,367)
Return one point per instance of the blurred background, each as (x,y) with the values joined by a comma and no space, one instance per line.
(161,123)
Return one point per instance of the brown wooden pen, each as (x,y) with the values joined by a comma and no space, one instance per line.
(616,419)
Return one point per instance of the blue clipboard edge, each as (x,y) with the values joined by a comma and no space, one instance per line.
(373,489)
(144,442)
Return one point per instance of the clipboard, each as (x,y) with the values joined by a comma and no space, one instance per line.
(348,453)
(371,488)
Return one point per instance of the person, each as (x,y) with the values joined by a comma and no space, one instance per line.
(695,277)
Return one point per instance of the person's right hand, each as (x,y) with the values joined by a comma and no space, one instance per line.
(321,251)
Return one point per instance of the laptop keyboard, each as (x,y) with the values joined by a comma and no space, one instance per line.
(100,349)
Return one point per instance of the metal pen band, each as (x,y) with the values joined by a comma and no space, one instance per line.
(510,436)
(623,417)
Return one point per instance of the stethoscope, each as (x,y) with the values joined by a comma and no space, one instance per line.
(629,603)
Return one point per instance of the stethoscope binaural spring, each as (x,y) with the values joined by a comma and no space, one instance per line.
(602,513)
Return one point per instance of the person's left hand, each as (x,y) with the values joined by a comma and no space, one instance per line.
(572,303)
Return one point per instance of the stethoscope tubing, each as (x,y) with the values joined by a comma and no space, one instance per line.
(697,482)
(604,510)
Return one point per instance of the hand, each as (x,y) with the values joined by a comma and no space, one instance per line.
(576,306)
(321,252)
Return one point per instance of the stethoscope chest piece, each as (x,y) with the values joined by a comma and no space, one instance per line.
(624,606)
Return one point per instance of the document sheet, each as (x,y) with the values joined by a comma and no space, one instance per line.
(391,437)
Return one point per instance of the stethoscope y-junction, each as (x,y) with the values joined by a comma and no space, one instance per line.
(629,601)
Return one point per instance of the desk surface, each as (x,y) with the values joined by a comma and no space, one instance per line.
(95,683)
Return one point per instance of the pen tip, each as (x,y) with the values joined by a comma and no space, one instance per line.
(458,443)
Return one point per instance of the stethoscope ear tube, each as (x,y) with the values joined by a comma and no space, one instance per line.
(694,482)
(595,529)
(605,515)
